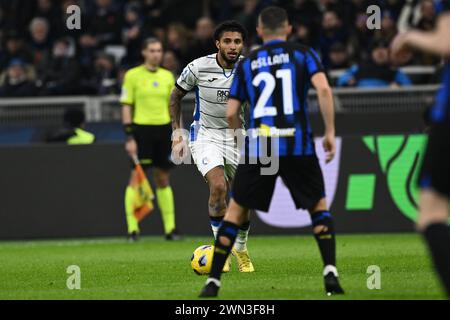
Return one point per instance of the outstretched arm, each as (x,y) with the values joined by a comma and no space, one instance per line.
(435,42)
(325,97)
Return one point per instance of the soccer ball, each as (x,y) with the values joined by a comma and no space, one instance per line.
(201,260)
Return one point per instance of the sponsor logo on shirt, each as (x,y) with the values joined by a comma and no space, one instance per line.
(222,95)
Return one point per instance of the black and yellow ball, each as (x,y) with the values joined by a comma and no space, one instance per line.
(201,260)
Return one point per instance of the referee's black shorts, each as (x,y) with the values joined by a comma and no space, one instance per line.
(435,173)
(302,175)
(154,145)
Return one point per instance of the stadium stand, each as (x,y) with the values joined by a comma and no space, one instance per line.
(37,49)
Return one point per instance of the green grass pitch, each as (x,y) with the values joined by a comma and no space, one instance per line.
(287,267)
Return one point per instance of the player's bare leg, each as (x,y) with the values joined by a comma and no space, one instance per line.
(226,237)
(217,197)
(323,229)
(217,202)
(433,217)
(218,188)
(164,196)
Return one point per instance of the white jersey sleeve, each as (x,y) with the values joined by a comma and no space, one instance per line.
(188,79)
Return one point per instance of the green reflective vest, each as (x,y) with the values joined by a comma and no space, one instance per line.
(81,137)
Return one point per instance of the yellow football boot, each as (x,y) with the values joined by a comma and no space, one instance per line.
(243,260)
(227,265)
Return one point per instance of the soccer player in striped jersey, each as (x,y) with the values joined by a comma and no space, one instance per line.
(434,179)
(214,150)
(275,79)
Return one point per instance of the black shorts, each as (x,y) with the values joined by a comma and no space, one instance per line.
(154,145)
(302,175)
(435,173)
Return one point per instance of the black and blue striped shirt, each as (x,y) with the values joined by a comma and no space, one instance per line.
(275,80)
(440,113)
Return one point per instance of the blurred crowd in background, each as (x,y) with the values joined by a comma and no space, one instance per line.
(39,55)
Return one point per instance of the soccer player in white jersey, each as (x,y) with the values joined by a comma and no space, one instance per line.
(213,148)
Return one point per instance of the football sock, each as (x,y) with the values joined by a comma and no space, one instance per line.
(215,224)
(221,251)
(437,236)
(325,238)
(132,222)
(167,207)
(241,240)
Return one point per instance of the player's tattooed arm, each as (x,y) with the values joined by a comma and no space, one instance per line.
(175,107)
(178,147)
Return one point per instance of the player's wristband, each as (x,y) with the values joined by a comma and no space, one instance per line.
(129,130)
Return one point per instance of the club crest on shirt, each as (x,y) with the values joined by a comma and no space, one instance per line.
(222,95)
(184,74)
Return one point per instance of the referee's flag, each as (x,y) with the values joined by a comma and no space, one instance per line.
(143,200)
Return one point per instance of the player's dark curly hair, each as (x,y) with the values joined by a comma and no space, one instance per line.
(230,26)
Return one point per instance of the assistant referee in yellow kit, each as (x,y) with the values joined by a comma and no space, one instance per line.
(145,116)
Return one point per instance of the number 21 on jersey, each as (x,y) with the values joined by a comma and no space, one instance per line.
(261,108)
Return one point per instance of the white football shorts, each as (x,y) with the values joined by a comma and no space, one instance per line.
(215,148)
